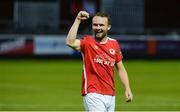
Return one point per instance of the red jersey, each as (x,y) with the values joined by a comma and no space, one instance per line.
(98,65)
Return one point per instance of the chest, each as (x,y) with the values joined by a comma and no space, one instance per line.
(101,53)
(96,48)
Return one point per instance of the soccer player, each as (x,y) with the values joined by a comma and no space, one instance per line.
(100,54)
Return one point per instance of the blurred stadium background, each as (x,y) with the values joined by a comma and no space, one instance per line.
(39,72)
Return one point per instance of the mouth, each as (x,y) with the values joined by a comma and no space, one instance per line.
(99,34)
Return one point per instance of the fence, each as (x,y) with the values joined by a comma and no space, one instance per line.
(133,46)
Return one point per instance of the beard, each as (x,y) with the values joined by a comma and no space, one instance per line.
(100,35)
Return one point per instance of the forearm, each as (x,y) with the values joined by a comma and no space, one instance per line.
(72,34)
(123,75)
(124,78)
(125,81)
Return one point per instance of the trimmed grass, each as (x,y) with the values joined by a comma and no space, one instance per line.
(56,85)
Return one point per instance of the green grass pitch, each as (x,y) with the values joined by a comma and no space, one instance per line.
(32,84)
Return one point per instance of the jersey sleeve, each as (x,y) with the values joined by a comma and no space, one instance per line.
(119,55)
(83,42)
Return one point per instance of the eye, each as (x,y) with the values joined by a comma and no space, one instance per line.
(95,24)
(101,25)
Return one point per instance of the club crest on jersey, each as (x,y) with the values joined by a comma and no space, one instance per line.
(112,51)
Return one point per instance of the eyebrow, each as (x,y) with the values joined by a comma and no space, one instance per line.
(99,23)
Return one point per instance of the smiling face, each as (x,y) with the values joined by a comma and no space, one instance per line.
(100,26)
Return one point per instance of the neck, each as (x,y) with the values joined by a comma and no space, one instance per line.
(101,40)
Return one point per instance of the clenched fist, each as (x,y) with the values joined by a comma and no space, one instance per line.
(82,15)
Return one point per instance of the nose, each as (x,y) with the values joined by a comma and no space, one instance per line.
(98,27)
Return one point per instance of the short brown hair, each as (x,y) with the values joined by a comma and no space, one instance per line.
(104,14)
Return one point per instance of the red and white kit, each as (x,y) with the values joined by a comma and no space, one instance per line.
(98,65)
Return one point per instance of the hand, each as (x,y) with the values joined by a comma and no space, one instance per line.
(82,15)
(129,96)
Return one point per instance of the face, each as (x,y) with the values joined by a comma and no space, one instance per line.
(100,26)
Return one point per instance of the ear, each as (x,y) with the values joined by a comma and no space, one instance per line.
(109,27)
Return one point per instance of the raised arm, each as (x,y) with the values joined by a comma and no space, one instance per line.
(125,81)
(71,40)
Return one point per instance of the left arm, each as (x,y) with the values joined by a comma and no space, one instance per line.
(125,81)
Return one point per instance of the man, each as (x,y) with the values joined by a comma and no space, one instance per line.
(100,53)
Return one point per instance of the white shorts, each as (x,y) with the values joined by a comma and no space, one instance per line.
(98,102)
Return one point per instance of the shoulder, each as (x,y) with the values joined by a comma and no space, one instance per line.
(114,41)
(86,40)
(88,37)
(111,39)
